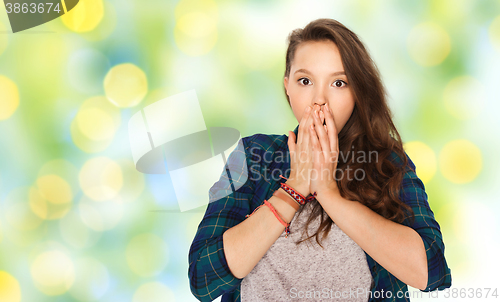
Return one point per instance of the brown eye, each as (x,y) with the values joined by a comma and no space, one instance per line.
(304,81)
(339,82)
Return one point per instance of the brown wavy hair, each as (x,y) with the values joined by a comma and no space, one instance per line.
(369,129)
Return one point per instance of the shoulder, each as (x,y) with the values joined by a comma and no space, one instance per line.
(395,158)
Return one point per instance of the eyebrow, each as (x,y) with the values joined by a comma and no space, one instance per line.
(332,74)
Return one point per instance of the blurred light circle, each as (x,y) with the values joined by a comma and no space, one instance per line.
(86,70)
(86,144)
(101,178)
(51,198)
(125,85)
(464,97)
(460,161)
(428,44)
(54,189)
(186,6)
(10,291)
(9,97)
(107,118)
(44,208)
(153,292)
(85,16)
(424,159)
(195,33)
(3,39)
(53,272)
(100,216)
(106,27)
(494,33)
(133,181)
(76,233)
(95,124)
(62,168)
(147,255)
(91,282)
(196,24)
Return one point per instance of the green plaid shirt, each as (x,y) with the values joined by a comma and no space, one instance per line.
(254,169)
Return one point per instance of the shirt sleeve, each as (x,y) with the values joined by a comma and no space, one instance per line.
(229,202)
(413,194)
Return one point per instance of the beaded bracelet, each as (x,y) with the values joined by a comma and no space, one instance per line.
(285,224)
(288,199)
(296,195)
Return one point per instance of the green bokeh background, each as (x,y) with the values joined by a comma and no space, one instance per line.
(56,69)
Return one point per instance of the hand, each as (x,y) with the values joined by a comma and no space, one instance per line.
(300,155)
(325,149)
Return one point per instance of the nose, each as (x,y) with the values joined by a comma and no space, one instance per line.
(319,100)
(319,106)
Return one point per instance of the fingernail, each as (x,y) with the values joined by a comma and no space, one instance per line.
(308,109)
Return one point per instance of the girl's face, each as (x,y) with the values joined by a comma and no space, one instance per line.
(317,77)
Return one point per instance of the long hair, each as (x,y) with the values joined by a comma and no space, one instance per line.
(370,129)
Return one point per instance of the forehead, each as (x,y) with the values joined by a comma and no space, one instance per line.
(317,55)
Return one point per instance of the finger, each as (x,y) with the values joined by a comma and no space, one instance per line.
(323,137)
(302,135)
(291,141)
(304,124)
(305,143)
(291,145)
(332,129)
(314,112)
(315,145)
(302,145)
(322,116)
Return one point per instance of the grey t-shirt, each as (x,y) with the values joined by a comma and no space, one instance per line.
(307,272)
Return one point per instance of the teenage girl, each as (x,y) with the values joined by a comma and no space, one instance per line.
(346,178)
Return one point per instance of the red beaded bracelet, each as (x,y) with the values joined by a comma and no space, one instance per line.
(296,195)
